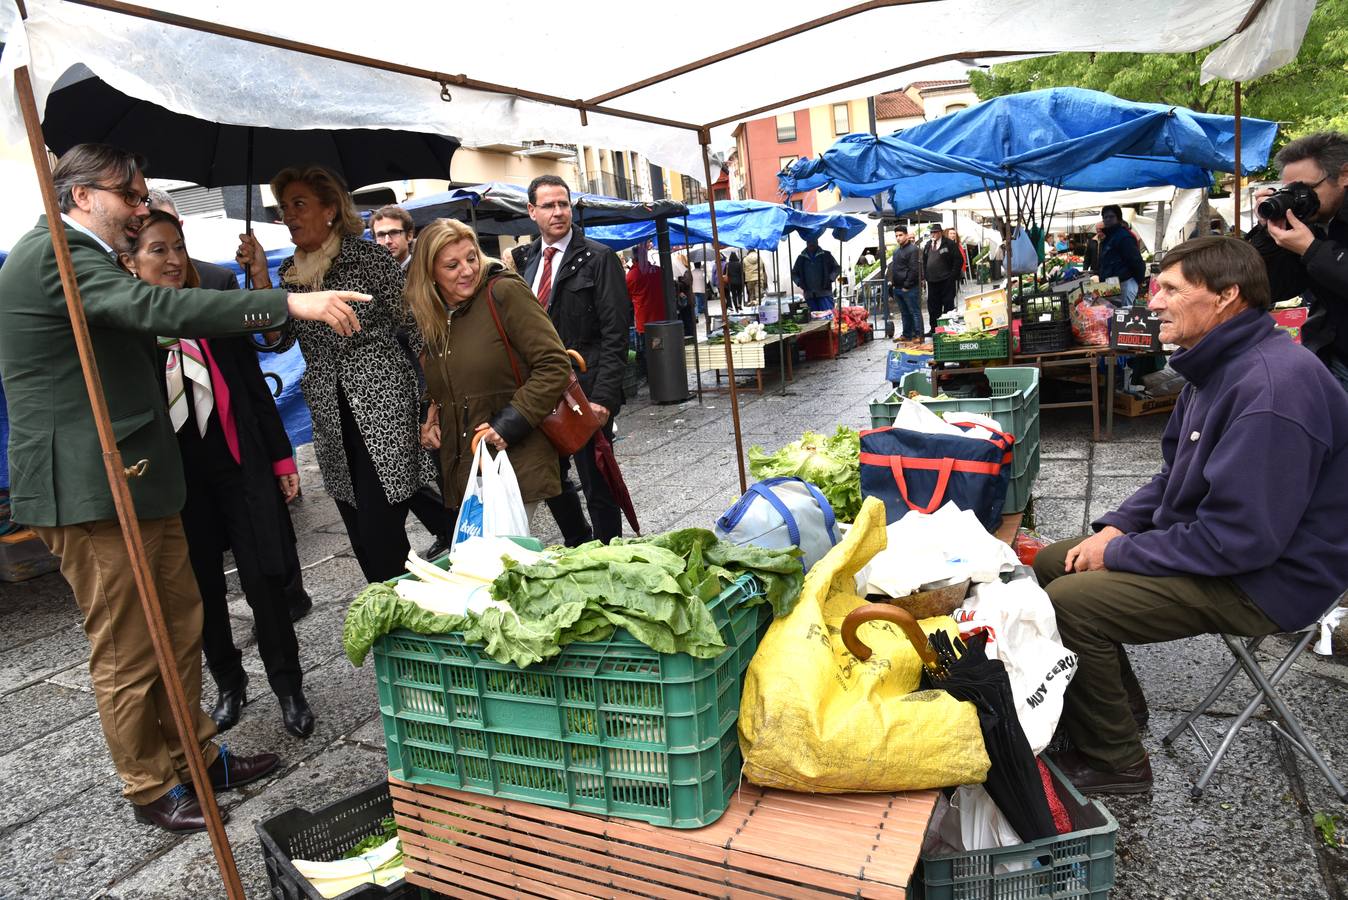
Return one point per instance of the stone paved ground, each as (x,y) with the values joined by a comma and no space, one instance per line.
(65,832)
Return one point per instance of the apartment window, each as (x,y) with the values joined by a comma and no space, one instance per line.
(785,162)
(842,122)
(786,128)
(956,107)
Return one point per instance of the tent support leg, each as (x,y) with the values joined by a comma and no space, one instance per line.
(1235,195)
(183,714)
(705,139)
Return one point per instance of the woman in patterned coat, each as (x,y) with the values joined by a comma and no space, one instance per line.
(361,390)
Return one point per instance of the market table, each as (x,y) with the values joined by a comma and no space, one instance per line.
(770,844)
(750,357)
(1089,357)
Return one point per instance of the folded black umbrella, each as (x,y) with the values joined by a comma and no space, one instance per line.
(82,108)
(1013,780)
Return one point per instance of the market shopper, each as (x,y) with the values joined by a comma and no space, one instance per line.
(815,272)
(700,287)
(60,486)
(1119,255)
(361,390)
(1308,254)
(218,278)
(1239,533)
(734,271)
(903,284)
(240,475)
(754,277)
(587,301)
(393,229)
(467,308)
(941,266)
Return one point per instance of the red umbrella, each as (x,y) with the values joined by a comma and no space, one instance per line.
(607,465)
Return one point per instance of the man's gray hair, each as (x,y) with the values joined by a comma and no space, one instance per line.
(162,200)
(1329,150)
(94,165)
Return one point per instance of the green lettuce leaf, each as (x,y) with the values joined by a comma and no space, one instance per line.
(831,464)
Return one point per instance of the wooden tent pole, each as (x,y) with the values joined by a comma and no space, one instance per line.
(183,714)
(704,137)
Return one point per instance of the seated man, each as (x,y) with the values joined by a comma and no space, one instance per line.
(1241,532)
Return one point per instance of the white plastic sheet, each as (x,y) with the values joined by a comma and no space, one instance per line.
(593,49)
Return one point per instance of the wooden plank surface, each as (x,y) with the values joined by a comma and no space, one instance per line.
(769,844)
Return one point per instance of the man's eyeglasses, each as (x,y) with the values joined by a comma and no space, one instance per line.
(391,233)
(131,198)
(555,205)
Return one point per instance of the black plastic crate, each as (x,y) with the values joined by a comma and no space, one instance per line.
(1045,337)
(323,836)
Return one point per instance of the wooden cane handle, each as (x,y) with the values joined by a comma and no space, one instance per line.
(580,360)
(873,612)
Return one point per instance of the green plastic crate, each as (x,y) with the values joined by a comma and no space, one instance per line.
(1079,864)
(610,727)
(952,347)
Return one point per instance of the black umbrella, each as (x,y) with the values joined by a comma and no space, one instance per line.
(83,108)
(964,671)
(500,208)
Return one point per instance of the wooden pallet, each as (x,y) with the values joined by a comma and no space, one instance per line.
(769,844)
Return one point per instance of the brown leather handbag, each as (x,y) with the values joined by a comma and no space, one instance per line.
(570,426)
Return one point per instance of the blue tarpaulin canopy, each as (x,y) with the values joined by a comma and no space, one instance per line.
(750,224)
(1066,137)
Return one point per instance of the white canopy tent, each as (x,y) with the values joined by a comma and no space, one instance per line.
(521,79)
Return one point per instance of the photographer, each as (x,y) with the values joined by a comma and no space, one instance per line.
(1303,238)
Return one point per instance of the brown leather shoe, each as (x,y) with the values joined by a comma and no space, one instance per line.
(177,812)
(230,771)
(1090,780)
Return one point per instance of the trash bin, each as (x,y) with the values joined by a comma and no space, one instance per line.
(666,370)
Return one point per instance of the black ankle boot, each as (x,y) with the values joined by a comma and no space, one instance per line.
(229,706)
(295,713)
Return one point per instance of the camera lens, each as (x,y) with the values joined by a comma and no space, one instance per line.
(1274,206)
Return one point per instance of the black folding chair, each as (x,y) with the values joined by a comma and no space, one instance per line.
(1284,721)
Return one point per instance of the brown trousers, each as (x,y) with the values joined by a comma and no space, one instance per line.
(132,702)
(1099,612)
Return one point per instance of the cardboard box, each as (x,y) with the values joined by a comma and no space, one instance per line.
(1135,329)
(1291,320)
(986,311)
(1133,406)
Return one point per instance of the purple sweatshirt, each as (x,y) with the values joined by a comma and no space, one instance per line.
(1254,484)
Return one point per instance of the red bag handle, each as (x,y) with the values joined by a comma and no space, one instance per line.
(937,495)
(1007,437)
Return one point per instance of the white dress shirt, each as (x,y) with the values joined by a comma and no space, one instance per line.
(556,260)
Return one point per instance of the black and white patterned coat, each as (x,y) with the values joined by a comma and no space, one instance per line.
(373,372)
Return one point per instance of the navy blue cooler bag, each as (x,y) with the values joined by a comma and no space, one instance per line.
(914,471)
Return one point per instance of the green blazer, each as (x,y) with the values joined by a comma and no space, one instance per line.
(57,476)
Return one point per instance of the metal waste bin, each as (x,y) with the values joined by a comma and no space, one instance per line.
(666,370)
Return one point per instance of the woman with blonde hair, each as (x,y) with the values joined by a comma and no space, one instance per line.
(467,307)
(361,390)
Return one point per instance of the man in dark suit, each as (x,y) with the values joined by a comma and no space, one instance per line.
(60,486)
(942,265)
(581,285)
(219,278)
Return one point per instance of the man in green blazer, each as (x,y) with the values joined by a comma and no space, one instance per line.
(58,481)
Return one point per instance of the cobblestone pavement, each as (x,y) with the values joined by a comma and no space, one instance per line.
(65,831)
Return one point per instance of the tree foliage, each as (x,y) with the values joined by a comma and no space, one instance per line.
(1308,94)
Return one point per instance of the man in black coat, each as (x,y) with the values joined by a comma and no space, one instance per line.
(219,278)
(941,267)
(581,285)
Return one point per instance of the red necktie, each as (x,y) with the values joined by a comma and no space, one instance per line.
(545,283)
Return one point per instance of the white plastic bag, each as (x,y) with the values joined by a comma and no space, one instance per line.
(974,822)
(491,505)
(503,511)
(1023,634)
(1024,260)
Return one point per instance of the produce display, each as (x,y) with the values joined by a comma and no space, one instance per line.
(655,587)
(378,860)
(829,463)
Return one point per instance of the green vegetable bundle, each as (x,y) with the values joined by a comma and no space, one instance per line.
(829,463)
(657,588)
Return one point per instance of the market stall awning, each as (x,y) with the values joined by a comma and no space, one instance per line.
(750,224)
(1070,137)
(382,71)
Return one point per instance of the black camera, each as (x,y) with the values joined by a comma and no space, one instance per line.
(1297,197)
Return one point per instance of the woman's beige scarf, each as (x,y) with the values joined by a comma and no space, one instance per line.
(309,269)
